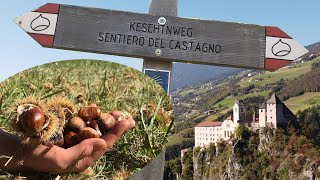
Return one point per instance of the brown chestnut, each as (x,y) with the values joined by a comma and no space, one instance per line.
(107,121)
(89,113)
(76,124)
(70,139)
(87,133)
(32,119)
(94,125)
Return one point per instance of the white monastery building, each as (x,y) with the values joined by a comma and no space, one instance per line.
(272,113)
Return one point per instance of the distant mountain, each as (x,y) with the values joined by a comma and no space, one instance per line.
(314,48)
(193,74)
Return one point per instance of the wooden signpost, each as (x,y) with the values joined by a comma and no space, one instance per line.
(165,38)
(160,38)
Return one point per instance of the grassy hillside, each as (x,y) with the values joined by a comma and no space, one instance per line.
(290,73)
(229,101)
(285,73)
(303,102)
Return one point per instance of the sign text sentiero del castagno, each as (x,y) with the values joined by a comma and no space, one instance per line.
(165,38)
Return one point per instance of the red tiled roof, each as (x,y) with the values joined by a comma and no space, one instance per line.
(209,124)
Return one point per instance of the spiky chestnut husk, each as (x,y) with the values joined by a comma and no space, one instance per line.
(48,136)
(30,101)
(48,131)
(62,107)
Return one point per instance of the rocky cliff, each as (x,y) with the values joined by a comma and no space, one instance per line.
(266,154)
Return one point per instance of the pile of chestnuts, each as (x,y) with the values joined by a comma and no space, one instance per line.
(90,123)
(56,121)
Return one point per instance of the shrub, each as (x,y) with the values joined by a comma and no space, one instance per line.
(283,173)
(242,132)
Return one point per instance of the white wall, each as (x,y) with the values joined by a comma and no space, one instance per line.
(262,117)
(206,135)
(271,114)
(228,128)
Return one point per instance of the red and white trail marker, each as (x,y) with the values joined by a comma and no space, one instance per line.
(281,49)
(164,38)
(41,23)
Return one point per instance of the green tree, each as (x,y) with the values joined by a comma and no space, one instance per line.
(242,132)
(187,170)
(310,123)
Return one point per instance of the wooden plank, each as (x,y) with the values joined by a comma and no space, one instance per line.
(230,43)
(179,39)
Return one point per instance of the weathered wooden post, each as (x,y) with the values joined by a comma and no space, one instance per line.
(152,66)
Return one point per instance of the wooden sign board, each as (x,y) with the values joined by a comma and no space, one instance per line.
(165,38)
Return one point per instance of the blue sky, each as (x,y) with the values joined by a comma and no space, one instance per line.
(300,19)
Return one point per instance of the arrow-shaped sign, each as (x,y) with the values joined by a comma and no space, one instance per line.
(165,38)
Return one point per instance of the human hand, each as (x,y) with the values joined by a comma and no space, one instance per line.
(55,159)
